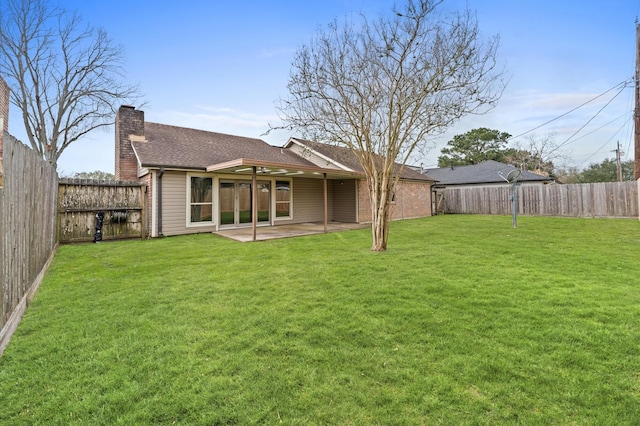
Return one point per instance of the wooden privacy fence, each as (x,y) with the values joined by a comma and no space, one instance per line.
(27,229)
(609,199)
(80,201)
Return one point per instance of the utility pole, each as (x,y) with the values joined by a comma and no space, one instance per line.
(619,154)
(636,115)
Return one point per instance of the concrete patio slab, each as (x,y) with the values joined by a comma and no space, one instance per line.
(286,231)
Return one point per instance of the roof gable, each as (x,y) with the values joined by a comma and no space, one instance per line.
(345,158)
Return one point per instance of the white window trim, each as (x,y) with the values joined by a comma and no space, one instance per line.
(275,202)
(190,224)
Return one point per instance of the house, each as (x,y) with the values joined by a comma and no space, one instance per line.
(487,173)
(200,181)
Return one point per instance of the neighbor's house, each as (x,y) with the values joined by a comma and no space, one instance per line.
(487,173)
(200,181)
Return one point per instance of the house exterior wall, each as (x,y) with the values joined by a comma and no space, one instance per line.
(348,201)
(413,199)
(308,201)
(364,202)
(174,206)
(344,206)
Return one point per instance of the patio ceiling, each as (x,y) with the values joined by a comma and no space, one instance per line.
(245,166)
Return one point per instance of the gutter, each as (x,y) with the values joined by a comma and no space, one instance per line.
(160,173)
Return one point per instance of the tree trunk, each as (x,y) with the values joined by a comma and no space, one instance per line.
(380,231)
(380,208)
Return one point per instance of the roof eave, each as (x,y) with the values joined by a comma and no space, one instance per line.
(153,166)
(286,169)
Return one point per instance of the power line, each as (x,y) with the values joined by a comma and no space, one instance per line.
(588,121)
(603,145)
(603,126)
(622,85)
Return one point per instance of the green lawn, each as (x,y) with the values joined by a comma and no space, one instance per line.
(464,320)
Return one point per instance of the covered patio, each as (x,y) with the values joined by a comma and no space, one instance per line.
(263,233)
(255,168)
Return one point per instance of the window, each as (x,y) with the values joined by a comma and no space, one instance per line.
(201,199)
(264,189)
(283,198)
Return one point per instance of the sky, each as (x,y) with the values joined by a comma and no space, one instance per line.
(222,65)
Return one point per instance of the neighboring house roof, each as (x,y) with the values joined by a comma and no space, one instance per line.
(180,147)
(487,172)
(345,159)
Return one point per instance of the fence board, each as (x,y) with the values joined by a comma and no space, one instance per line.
(610,199)
(79,201)
(27,222)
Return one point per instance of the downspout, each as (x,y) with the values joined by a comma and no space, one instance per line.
(160,173)
(434,200)
(403,193)
(326,201)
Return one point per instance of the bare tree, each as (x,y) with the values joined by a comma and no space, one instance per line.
(382,87)
(66,77)
(539,154)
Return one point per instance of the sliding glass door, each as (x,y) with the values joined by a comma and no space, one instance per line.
(236,202)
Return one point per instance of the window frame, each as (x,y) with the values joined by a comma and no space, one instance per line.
(189,203)
(276,202)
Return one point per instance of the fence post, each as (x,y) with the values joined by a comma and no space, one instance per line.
(638,196)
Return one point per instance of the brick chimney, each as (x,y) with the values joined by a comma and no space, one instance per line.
(4,113)
(129,126)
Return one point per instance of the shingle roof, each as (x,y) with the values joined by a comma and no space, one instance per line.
(185,148)
(485,172)
(180,147)
(347,158)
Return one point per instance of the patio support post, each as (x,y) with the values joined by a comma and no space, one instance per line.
(254,202)
(326,202)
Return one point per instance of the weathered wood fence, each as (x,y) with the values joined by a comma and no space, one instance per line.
(80,201)
(610,199)
(27,229)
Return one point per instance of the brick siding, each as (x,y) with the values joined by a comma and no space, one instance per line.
(413,199)
(129,121)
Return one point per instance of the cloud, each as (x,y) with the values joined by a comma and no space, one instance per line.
(585,132)
(560,101)
(222,120)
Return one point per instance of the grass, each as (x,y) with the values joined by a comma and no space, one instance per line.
(464,320)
